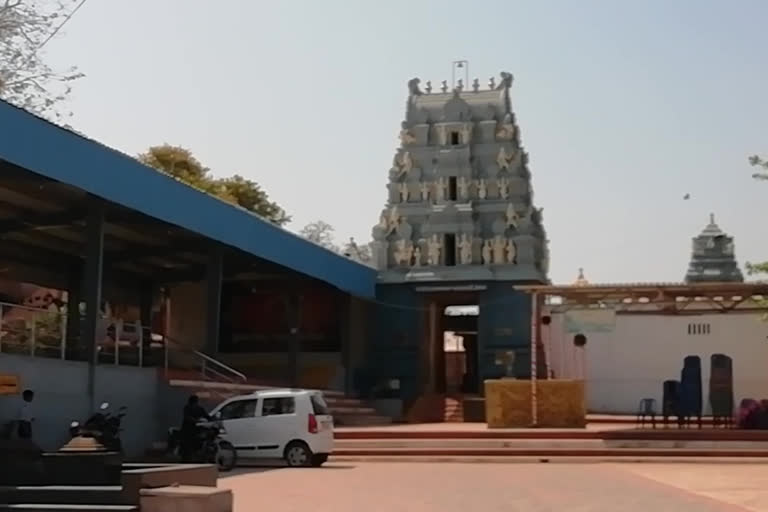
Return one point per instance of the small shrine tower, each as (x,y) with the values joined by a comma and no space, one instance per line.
(713,258)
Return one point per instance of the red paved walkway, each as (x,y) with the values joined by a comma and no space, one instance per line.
(380,487)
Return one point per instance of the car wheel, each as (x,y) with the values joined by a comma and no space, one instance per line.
(298,455)
(319,459)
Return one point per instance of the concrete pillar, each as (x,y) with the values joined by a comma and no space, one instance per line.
(294,312)
(146,296)
(215,277)
(74,297)
(94,268)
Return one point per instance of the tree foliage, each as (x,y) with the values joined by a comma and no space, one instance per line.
(321,233)
(26,80)
(761,174)
(359,253)
(180,163)
(762,167)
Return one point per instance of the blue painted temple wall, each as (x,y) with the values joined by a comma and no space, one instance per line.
(504,325)
(399,332)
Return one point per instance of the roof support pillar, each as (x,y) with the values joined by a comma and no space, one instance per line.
(94,268)
(534,363)
(74,298)
(294,312)
(214,280)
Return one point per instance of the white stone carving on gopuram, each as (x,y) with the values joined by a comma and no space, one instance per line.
(461,178)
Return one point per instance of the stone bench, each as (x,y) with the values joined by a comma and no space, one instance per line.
(134,481)
(186,498)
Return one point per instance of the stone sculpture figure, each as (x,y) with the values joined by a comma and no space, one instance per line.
(466,133)
(511,250)
(433,250)
(504,159)
(428,87)
(507,129)
(404,192)
(417,256)
(503,188)
(506,80)
(486,252)
(499,248)
(406,137)
(403,252)
(403,163)
(463,188)
(492,82)
(394,220)
(482,189)
(442,134)
(465,249)
(413,87)
(512,217)
(460,85)
(440,190)
(424,187)
(444,86)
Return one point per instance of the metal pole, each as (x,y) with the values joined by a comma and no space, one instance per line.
(94,267)
(534,336)
(141,343)
(63,327)
(1,327)
(32,336)
(118,333)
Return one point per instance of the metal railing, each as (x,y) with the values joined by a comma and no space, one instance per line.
(38,332)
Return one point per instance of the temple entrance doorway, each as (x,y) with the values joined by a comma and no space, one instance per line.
(458,357)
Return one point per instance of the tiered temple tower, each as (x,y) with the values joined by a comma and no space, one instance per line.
(713,258)
(460,204)
(459,228)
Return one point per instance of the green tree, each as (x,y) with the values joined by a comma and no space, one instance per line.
(761,174)
(180,163)
(26,80)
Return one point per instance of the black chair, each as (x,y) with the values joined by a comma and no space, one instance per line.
(646,408)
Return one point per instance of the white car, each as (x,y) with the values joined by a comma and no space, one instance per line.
(290,424)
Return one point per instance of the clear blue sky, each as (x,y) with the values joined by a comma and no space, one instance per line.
(623,106)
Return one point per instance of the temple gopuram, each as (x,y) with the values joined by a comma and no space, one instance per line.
(459,228)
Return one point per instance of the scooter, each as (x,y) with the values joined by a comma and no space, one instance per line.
(102,426)
(211,448)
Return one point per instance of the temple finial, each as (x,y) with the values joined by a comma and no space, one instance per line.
(711,218)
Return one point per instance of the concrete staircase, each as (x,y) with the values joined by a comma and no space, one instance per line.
(346,411)
(454,409)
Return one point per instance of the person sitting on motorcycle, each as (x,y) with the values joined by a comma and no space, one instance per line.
(193,413)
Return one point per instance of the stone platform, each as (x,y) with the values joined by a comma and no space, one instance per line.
(596,441)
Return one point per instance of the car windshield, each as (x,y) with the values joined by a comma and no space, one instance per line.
(319,407)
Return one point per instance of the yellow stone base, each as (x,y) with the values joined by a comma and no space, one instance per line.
(561,403)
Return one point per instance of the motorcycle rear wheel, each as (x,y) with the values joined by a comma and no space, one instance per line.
(226,456)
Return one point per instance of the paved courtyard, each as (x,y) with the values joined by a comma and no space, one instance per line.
(492,487)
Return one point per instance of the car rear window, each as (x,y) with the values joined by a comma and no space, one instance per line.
(319,407)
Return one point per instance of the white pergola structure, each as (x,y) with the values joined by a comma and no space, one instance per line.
(667,298)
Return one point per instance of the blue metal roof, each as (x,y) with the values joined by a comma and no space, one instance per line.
(49,150)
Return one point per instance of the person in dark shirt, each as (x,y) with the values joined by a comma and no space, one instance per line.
(193,413)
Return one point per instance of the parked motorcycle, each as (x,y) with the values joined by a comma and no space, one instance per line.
(211,448)
(103,426)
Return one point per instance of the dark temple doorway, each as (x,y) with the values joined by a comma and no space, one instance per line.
(458,357)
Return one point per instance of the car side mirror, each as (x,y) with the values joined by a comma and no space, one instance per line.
(104,406)
(216,415)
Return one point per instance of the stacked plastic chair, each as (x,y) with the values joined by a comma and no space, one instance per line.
(721,389)
(671,401)
(690,389)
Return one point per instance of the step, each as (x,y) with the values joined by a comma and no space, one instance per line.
(61,494)
(552,452)
(465,444)
(361,420)
(38,507)
(362,410)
